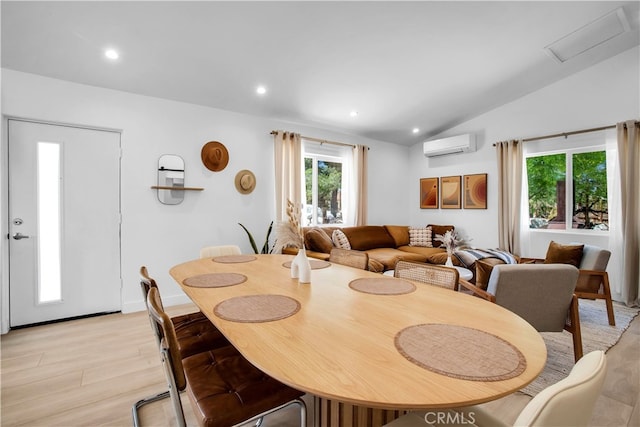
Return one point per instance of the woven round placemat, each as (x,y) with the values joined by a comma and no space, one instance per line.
(382,286)
(231,259)
(257,308)
(215,280)
(316,264)
(460,352)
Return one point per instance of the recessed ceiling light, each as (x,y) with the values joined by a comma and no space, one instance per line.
(353,113)
(261,90)
(111,54)
(415,130)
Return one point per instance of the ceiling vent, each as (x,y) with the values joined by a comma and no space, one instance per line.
(456,144)
(591,35)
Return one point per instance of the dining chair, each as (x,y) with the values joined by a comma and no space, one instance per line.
(430,274)
(542,294)
(569,402)
(214,251)
(350,257)
(194,332)
(223,387)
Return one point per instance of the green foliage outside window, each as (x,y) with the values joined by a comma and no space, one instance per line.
(543,175)
(329,185)
(590,187)
(547,176)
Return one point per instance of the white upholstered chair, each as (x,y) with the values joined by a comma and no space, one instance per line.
(214,251)
(568,402)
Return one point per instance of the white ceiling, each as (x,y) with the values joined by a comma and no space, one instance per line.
(401,65)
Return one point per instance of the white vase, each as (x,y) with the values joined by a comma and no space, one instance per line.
(304,266)
(301,267)
(449,263)
(295,271)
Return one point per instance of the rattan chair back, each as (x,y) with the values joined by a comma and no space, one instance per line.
(436,275)
(356,259)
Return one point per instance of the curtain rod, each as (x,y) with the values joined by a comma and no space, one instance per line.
(321,141)
(566,134)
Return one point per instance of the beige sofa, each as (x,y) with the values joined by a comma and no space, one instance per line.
(385,244)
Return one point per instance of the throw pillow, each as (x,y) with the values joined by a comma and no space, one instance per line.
(483,271)
(564,254)
(318,241)
(420,236)
(340,240)
(400,234)
(439,229)
(365,237)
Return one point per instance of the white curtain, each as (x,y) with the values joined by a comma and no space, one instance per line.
(288,170)
(359,188)
(525,231)
(628,144)
(614,203)
(510,165)
(289,175)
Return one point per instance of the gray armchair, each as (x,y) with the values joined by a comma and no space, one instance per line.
(593,282)
(542,294)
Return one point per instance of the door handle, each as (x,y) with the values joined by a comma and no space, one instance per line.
(20,236)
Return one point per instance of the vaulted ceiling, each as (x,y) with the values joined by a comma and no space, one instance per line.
(400,65)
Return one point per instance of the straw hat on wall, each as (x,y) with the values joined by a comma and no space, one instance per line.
(245,181)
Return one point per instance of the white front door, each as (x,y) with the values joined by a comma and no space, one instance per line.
(64,213)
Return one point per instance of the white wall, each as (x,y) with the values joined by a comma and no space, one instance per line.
(161,236)
(602,95)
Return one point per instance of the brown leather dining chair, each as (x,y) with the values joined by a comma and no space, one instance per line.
(194,333)
(223,387)
(430,274)
(194,330)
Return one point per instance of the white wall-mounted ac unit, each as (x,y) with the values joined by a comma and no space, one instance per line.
(456,144)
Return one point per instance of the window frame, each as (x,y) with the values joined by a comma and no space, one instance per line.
(590,145)
(317,152)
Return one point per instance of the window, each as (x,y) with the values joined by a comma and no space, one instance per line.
(568,189)
(49,233)
(326,171)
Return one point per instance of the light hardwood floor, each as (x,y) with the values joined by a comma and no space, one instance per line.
(89,372)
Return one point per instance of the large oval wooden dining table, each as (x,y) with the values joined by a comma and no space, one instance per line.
(344,343)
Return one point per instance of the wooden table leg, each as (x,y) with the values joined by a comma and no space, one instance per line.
(332,413)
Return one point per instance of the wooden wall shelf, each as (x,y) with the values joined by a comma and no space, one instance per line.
(160,187)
